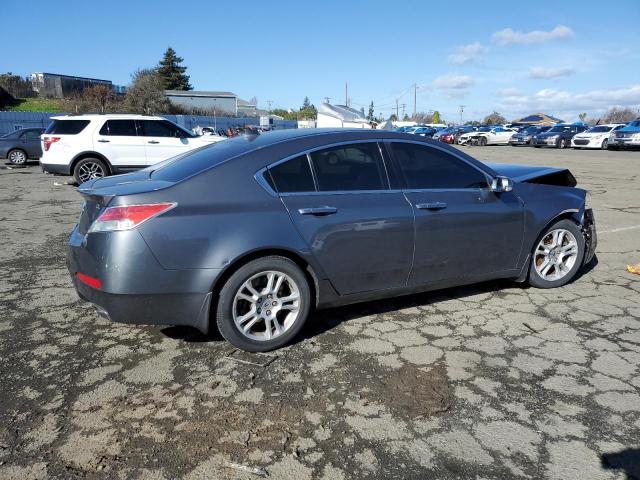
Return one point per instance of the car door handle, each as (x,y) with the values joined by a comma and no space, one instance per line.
(104,140)
(318,211)
(431,206)
(153,141)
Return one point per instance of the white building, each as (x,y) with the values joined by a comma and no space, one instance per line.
(339,116)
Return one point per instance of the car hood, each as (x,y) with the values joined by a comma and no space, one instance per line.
(525,173)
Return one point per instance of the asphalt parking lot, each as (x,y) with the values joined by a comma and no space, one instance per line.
(489,381)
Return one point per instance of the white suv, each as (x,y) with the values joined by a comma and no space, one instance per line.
(91,146)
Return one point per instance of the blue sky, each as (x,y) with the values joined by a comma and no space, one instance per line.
(515,57)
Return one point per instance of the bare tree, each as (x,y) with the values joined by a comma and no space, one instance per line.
(146,93)
(494,119)
(620,115)
(96,98)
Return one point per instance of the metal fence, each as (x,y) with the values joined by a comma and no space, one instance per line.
(10,121)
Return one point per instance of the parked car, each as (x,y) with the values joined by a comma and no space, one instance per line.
(21,146)
(497,135)
(524,136)
(626,137)
(423,131)
(443,131)
(558,136)
(252,233)
(596,137)
(92,146)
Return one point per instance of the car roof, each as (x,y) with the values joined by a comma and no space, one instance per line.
(108,116)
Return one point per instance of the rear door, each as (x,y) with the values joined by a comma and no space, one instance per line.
(463,230)
(163,139)
(359,230)
(119,142)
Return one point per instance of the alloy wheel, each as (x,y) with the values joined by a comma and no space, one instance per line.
(556,254)
(266,305)
(17,157)
(89,171)
(605,144)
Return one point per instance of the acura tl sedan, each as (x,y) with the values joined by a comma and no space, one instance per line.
(251,234)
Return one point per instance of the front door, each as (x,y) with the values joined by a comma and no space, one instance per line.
(162,140)
(463,230)
(359,230)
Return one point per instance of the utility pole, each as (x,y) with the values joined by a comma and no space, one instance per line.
(327,100)
(415,98)
(346,94)
(403,105)
(269,102)
(461,112)
(397,112)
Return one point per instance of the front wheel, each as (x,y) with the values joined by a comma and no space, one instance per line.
(605,144)
(557,256)
(264,304)
(562,143)
(483,142)
(17,157)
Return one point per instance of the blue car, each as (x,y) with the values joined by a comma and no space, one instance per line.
(253,233)
(626,137)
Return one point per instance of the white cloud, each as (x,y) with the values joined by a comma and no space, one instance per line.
(467,53)
(509,36)
(506,92)
(564,103)
(546,73)
(452,81)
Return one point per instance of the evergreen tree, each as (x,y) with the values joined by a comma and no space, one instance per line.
(306,104)
(171,72)
(370,116)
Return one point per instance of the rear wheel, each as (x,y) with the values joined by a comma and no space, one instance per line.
(89,169)
(557,256)
(17,157)
(264,304)
(483,141)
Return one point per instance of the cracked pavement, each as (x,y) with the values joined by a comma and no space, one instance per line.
(487,381)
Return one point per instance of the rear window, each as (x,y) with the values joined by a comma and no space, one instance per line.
(119,128)
(184,166)
(66,127)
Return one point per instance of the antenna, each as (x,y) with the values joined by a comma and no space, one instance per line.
(461,112)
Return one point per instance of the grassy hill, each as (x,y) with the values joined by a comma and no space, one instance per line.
(36,105)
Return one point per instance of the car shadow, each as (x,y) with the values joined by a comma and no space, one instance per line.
(626,460)
(322,321)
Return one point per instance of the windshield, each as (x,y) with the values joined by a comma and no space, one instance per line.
(484,129)
(559,129)
(599,129)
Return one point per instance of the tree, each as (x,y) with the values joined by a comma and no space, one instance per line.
(619,115)
(146,93)
(494,118)
(406,118)
(582,116)
(435,118)
(172,73)
(16,86)
(370,115)
(96,98)
(393,117)
(305,104)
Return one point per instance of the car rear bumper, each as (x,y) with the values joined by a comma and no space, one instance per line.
(55,168)
(135,288)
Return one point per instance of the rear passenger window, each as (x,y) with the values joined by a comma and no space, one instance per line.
(426,167)
(119,128)
(66,127)
(353,167)
(292,176)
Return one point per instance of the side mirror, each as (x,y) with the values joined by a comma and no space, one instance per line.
(501,184)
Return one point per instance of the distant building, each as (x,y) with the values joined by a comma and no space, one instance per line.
(224,103)
(54,85)
(538,119)
(339,116)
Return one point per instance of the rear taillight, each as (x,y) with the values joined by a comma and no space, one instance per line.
(48,141)
(126,217)
(88,280)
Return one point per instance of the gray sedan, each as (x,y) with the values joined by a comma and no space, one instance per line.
(21,146)
(253,233)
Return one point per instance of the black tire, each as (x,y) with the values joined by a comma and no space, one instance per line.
(225,307)
(18,156)
(535,280)
(562,143)
(483,141)
(605,144)
(82,170)
(537,146)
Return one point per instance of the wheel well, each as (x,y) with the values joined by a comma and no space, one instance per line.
(229,270)
(83,155)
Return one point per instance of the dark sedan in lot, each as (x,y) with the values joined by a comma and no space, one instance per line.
(21,146)
(524,136)
(558,136)
(254,232)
